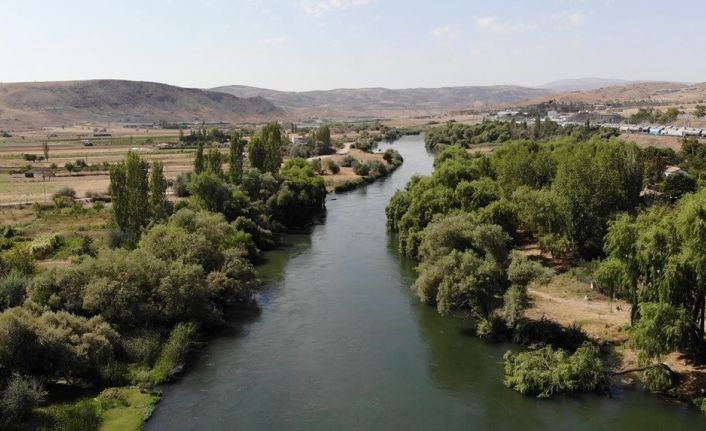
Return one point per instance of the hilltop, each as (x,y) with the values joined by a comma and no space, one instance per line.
(37,104)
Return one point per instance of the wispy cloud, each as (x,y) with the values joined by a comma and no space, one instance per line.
(318,8)
(278,40)
(445,32)
(491,24)
(567,19)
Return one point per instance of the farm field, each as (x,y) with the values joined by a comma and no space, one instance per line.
(16,188)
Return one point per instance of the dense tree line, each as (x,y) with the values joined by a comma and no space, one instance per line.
(493,132)
(579,196)
(129,313)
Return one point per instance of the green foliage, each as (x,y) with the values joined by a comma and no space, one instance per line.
(54,344)
(348,161)
(332,166)
(83,415)
(129,190)
(174,353)
(658,378)
(235,167)
(13,289)
(158,191)
(362,169)
(21,395)
(514,302)
(265,149)
(699,111)
(659,330)
(214,162)
(301,194)
(20,259)
(547,372)
(199,159)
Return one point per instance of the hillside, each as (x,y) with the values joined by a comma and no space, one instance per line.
(658,93)
(583,84)
(383,102)
(29,105)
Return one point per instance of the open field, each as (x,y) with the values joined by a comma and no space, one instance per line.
(16,188)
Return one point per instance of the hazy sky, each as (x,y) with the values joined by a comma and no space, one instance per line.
(322,44)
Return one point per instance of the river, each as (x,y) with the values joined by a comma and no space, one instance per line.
(342,344)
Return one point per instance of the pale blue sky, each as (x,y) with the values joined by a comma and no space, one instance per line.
(322,44)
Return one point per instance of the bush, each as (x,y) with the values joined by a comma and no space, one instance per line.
(21,260)
(21,395)
(546,332)
(181,185)
(171,359)
(333,167)
(348,185)
(362,169)
(45,246)
(13,289)
(348,161)
(67,192)
(81,416)
(658,378)
(547,372)
(143,349)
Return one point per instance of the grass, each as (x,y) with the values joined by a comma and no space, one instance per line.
(135,407)
(114,409)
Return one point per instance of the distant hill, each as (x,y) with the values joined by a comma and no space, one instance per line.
(383,102)
(653,92)
(28,104)
(583,84)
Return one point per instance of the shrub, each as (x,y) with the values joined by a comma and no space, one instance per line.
(348,185)
(362,169)
(13,289)
(67,192)
(333,167)
(45,246)
(143,349)
(21,395)
(546,332)
(21,260)
(171,359)
(658,378)
(547,372)
(348,161)
(181,185)
(81,416)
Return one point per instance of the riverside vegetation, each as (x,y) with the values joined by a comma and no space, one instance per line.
(92,339)
(577,192)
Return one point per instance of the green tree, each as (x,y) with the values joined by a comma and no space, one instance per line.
(257,153)
(158,190)
(237,146)
(699,111)
(45,149)
(272,139)
(214,162)
(129,190)
(199,160)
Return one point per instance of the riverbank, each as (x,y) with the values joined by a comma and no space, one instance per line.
(571,302)
(346,178)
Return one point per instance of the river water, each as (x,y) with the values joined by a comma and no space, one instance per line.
(342,344)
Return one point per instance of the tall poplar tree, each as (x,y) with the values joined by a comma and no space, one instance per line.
(237,146)
(130,196)
(199,162)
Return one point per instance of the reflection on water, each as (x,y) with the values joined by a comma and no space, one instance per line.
(342,344)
